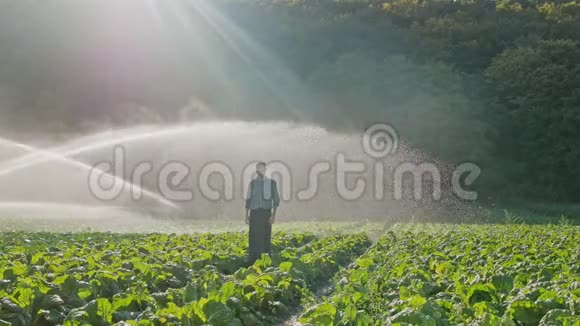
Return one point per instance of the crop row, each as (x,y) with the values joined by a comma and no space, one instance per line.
(449,275)
(41,272)
(265,292)
(157,279)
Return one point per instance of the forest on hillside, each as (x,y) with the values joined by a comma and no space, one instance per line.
(492,82)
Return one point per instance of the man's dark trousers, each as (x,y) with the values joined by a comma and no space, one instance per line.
(260,233)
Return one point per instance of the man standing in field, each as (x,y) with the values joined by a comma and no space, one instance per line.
(261,204)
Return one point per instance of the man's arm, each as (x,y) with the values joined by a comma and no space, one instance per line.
(248,202)
(275,201)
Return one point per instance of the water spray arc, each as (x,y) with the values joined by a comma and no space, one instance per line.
(50,155)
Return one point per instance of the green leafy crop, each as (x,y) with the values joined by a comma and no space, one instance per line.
(449,275)
(413,274)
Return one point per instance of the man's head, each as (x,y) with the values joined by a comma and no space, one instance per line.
(261,168)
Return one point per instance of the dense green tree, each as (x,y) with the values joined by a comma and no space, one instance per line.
(538,109)
(426,103)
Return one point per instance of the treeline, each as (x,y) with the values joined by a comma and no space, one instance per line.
(496,82)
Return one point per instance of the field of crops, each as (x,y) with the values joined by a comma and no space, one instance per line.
(409,274)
